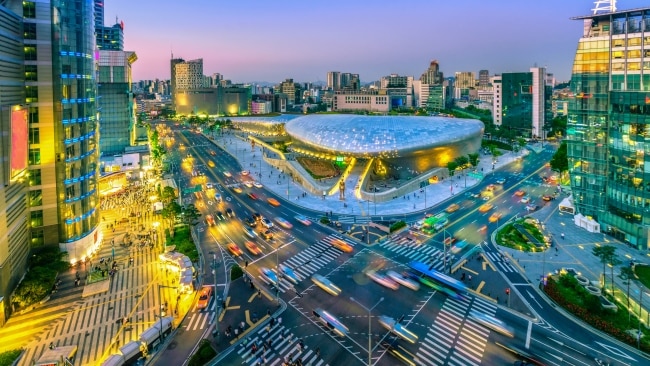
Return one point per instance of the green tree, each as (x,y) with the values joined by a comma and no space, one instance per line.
(190,215)
(627,275)
(171,210)
(559,161)
(168,194)
(607,255)
(473,159)
(461,161)
(451,168)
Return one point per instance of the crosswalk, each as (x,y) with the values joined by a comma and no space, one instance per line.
(453,338)
(501,262)
(197,320)
(418,252)
(284,347)
(348,219)
(310,260)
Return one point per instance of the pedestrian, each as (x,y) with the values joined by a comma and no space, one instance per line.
(259,293)
(562,235)
(470,278)
(318,352)
(236,333)
(242,325)
(268,312)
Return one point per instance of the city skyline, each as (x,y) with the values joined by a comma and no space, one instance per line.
(263,42)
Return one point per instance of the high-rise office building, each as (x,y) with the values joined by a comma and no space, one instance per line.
(334,80)
(14,111)
(63,151)
(188,75)
(608,124)
(483,79)
(432,75)
(108,38)
(343,80)
(463,82)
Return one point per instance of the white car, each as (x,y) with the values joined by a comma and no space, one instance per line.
(267,223)
(403,280)
(248,184)
(283,222)
(303,220)
(525,199)
(492,323)
(398,329)
(227,174)
(383,280)
(258,185)
(326,285)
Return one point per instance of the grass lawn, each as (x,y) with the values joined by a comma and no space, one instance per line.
(96,276)
(204,354)
(643,272)
(568,293)
(510,237)
(9,357)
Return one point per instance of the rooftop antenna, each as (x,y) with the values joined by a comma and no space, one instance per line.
(604,6)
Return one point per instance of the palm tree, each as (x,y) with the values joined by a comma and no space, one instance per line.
(451,168)
(606,254)
(627,274)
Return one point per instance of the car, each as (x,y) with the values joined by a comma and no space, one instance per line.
(237,189)
(250,221)
(452,208)
(213,153)
(341,245)
(267,223)
(253,248)
(234,250)
(531,207)
(449,240)
(548,197)
(210,164)
(520,193)
(258,185)
(289,274)
(248,184)
(220,216)
(210,220)
(525,199)
(398,329)
(230,212)
(501,180)
(257,216)
(491,188)
(495,217)
(326,285)
(456,248)
(382,280)
(303,220)
(209,185)
(331,322)
(269,275)
(252,196)
(492,323)
(392,347)
(266,234)
(204,297)
(227,174)
(403,280)
(245,172)
(283,222)
(485,207)
(250,232)
(273,202)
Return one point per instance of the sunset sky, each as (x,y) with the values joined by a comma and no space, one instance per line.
(252,40)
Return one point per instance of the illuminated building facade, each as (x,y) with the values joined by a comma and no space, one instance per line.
(63,149)
(608,124)
(14,226)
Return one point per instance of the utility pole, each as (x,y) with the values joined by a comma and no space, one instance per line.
(217,299)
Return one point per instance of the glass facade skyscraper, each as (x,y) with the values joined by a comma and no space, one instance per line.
(608,126)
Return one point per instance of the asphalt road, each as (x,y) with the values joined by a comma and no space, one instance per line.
(446,332)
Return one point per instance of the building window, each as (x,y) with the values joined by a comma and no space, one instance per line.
(34,177)
(29,9)
(29,30)
(31,94)
(33,114)
(35,156)
(35,198)
(34,136)
(31,73)
(36,218)
(30,52)
(37,238)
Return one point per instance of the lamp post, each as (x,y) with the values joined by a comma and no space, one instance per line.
(369,325)
(444,244)
(216,322)
(161,303)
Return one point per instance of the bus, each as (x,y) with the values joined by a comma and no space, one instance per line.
(437,280)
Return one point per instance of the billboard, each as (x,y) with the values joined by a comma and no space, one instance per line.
(19,139)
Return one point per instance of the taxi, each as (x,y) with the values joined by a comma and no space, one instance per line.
(520,193)
(491,187)
(210,164)
(235,250)
(273,202)
(485,207)
(237,189)
(452,208)
(210,220)
(341,245)
(326,285)
(253,248)
(204,297)
(245,172)
(495,217)
(227,174)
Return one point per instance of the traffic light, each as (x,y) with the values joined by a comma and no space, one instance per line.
(508,291)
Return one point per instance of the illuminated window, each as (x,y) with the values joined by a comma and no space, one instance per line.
(31,73)
(30,52)
(33,114)
(36,218)
(31,94)
(34,136)
(34,177)
(35,198)
(37,238)
(29,31)
(35,156)
(29,9)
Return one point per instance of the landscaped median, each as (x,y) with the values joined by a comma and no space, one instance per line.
(523,234)
(597,311)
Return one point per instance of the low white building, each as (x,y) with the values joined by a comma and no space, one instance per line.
(361,102)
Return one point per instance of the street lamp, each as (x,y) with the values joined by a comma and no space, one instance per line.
(369,325)
(444,244)
(161,303)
